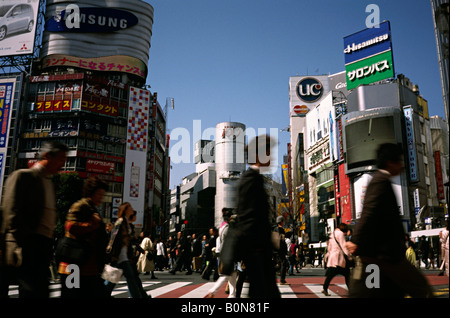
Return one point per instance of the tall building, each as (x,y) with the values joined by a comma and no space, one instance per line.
(87,89)
(440,11)
(230,164)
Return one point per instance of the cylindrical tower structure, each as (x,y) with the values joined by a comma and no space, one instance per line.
(230,163)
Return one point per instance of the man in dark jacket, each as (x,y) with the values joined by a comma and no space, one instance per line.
(379,237)
(255,222)
(29,221)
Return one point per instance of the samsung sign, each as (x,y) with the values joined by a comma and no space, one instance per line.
(90,20)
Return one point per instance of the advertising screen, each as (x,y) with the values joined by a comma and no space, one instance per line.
(17,26)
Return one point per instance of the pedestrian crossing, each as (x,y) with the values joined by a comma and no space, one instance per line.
(161,289)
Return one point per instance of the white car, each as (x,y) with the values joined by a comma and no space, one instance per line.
(18,18)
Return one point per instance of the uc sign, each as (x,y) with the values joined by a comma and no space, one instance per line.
(309,90)
(85,20)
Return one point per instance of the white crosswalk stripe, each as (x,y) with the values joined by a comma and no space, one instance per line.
(159,288)
(166,289)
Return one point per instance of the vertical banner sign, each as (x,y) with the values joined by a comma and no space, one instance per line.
(439,178)
(368,56)
(410,143)
(284,179)
(416,201)
(136,152)
(6,103)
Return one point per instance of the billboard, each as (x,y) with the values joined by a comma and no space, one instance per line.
(18,26)
(110,36)
(136,151)
(7,87)
(368,56)
(306,92)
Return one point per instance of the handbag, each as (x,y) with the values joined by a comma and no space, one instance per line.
(349,263)
(112,274)
(230,251)
(72,251)
(149,255)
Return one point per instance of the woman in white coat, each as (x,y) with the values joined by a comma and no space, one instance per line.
(336,264)
(146,262)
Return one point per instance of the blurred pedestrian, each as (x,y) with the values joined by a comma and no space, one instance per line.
(230,279)
(146,261)
(282,253)
(84,224)
(172,251)
(424,250)
(210,255)
(312,255)
(184,255)
(120,252)
(160,255)
(336,259)
(29,221)
(410,254)
(379,237)
(292,253)
(443,239)
(254,221)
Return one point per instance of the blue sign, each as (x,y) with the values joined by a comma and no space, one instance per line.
(367,42)
(309,89)
(91,20)
(6,100)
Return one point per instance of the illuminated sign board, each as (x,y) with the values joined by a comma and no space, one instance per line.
(91,20)
(368,56)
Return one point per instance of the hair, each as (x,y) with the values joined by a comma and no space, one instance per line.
(52,148)
(227,213)
(343,227)
(93,184)
(122,209)
(388,152)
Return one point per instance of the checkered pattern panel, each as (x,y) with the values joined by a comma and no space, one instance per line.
(138,116)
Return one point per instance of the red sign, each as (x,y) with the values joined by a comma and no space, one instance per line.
(101,108)
(53,105)
(99,166)
(439,179)
(344,195)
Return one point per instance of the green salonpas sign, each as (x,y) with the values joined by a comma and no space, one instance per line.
(369,70)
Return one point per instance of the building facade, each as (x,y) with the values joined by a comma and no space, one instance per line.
(87,89)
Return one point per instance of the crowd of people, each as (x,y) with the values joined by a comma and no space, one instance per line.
(248,246)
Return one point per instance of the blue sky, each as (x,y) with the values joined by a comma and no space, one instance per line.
(231,60)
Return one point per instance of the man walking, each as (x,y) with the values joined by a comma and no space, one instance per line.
(379,237)
(29,220)
(254,222)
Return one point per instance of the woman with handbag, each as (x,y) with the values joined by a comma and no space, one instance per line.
(146,262)
(337,257)
(120,253)
(85,226)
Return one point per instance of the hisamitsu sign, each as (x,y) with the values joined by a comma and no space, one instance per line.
(368,56)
